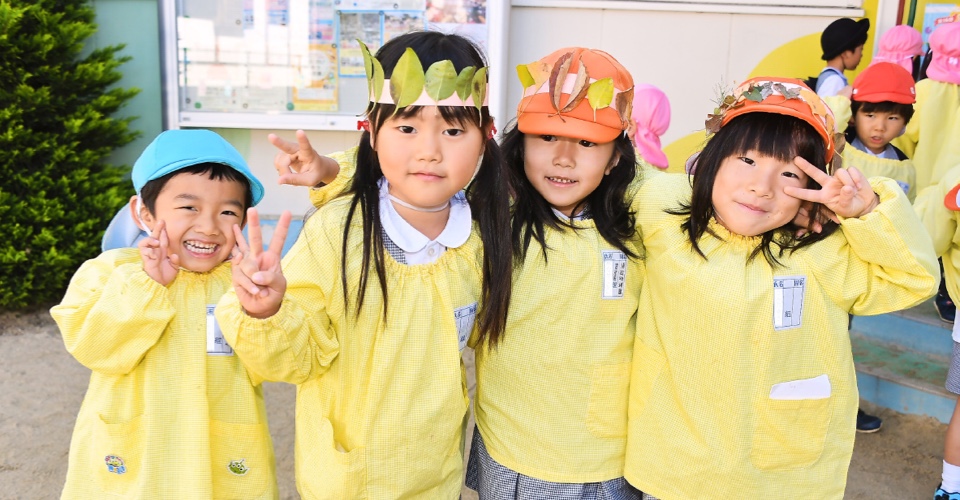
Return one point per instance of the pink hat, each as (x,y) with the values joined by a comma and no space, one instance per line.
(651,113)
(899,45)
(945,44)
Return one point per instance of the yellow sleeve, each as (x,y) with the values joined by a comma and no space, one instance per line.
(888,262)
(112,314)
(348,166)
(939,221)
(298,342)
(840,105)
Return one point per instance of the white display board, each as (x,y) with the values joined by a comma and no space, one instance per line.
(292,64)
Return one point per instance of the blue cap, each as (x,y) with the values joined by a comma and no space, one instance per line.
(173,150)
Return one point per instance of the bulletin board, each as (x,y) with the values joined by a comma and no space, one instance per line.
(296,64)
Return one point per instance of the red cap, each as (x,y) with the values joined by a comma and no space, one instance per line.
(884,81)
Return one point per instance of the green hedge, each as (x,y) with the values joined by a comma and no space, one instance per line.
(57,194)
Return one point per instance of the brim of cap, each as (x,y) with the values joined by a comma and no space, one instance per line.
(886,96)
(256,188)
(950,200)
(863,26)
(537,116)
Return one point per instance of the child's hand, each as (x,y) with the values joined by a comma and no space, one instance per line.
(298,164)
(158,262)
(257,276)
(847,192)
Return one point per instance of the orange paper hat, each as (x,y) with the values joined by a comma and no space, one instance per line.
(785,96)
(575,92)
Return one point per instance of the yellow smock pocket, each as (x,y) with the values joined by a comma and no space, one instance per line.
(645,369)
(609,392)
(118,454)
(790,434)
(324,469)
(241,460)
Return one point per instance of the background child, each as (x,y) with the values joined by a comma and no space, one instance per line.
(746,388)
(170,411)
(378,295)
(901,45)
(930,138)
(552,393)
(650,120)
(939,210)
(842,43)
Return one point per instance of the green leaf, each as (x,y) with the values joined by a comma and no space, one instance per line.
(374,73)
(441,80)
(367,58)
(465,82)
(479,87)
(378,79)
(526,79)
(406,81)
(600,94)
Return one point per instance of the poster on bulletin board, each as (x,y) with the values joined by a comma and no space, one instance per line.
(935,14)
(289,64)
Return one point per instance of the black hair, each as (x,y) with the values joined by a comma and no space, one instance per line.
(607,204)
(769,134)
(215,171)
(904,110)
(487,194)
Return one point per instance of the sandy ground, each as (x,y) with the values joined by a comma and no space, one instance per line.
(41,388)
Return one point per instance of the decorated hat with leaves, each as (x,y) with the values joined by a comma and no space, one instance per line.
(412,85)
(785,96)
(575,92)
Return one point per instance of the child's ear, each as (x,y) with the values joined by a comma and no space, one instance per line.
(613,163)
(141,216)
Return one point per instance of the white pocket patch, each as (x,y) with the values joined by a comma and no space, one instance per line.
(464,317)
(216,344)
(788,301)
(614,274)
(808,388)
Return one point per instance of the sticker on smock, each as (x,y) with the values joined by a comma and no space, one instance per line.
(788,301)
(464,316)
(614,274)
(216,344)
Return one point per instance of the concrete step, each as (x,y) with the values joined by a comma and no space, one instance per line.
(902,360)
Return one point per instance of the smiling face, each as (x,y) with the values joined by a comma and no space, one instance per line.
(876,129)
(565,170)
(427,159)
(199,213)
(748,197)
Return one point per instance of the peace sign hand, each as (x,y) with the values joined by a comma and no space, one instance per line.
(257,277)
(298,164)
(847,192)
(158,262)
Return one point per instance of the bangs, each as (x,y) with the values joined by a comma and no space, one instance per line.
(458,115)
(778,136)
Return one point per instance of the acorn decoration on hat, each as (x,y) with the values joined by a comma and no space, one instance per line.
(575,92)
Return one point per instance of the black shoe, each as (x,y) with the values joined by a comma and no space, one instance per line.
(945,308)
(867,423)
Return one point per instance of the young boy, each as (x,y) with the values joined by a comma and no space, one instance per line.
(842,43)
(170,412)
(939,209)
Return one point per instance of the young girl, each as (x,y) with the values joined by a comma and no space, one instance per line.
(380,292)
(551,402)
(743,381)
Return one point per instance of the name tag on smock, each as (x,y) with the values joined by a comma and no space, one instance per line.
(614,274)
(216,344)
(464,317)
(788,301)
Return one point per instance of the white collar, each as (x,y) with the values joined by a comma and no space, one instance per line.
(409,239)
(583,215)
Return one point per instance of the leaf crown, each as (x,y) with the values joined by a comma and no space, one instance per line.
(410,85)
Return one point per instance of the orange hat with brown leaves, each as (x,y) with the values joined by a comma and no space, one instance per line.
(575,92)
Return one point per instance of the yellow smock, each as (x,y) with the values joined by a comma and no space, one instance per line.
(381,401)
(937,117)
(170,420)
(901,171)
(551,398)
(941,223)
(724,403)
